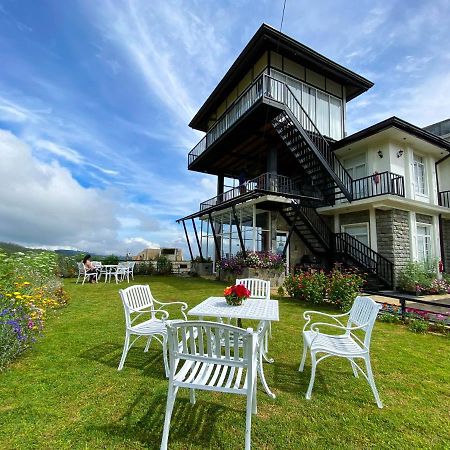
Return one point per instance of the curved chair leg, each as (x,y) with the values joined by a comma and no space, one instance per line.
(313,375)
(371,381)
(302,363)
(248,419)
(171,395)
(354,368)
(192,396)
(125,350)
(149,341)
(262,376)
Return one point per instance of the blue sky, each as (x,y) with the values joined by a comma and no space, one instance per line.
(95,98)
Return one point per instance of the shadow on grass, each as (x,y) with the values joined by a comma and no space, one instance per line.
(109,354)
(189,424)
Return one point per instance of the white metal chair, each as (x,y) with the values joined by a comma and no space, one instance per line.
(131,265)
(348,345)
(207,356)
(138,302)
(259,289)
(123,271)
(82,272)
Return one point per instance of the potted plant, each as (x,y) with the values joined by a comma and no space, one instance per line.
(236,294)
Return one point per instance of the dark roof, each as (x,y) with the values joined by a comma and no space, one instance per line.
(394,122)
(441,128)
(268,38)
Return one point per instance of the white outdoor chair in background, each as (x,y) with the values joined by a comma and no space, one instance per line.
(259,289)
(348,345)
(82,272)
(123,271)
(131,265)
(207,356)
(138,302)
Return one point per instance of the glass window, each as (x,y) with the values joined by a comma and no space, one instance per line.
(323,113)
(419,176)
(423,240)
(335,118)
(309,105)
(358,231)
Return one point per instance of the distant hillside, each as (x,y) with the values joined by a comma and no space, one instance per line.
(9,247)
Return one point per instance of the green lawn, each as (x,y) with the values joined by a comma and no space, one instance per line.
(67,393)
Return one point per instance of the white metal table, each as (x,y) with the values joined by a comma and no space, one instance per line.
(265,311)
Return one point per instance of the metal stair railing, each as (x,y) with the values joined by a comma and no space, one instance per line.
(369,259)
(282,93)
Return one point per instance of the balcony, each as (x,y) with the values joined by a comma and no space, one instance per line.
(378,184)
(266,183)
(444,199)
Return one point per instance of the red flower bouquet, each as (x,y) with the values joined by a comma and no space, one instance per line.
(235,295)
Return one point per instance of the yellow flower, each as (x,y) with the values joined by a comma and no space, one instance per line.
(16,293)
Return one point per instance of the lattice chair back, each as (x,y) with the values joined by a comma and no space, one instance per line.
(258,288)
(135,299)
(364,312)
(81,268)
(214,344)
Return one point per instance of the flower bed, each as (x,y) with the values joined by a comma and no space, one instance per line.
(337,287)
(28,290)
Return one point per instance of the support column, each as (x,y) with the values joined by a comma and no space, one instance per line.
(188,242)
(198,242)
(238,227)
(220,184)
(218,257)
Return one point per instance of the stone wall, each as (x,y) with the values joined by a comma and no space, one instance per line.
(354,217)
(275,277)
(446,243)
(422,218)
(393,236)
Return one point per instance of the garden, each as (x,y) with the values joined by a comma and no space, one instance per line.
(66,391)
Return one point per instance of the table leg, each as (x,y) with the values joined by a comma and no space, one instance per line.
(263,354)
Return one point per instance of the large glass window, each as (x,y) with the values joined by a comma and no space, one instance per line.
(324,109)
(423,241)
(356,168)
(419,176)
(358,231)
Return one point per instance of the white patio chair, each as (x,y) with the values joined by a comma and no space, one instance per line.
(82,272)
(348,345)
(139,302)
(123,271)
(207,356)
(259,289)
(131,265)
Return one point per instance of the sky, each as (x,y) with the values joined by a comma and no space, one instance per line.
(96,97)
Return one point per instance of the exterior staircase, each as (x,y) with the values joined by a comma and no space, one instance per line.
(322,242)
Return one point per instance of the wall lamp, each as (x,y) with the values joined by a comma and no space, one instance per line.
(399,153)
(380,153)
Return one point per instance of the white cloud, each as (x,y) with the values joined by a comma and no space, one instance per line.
(59,150)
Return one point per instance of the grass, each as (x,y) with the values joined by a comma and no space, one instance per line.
(67,392)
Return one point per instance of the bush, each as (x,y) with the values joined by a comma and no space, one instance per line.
(67,266)
(144,268)
(417,276)
(338,287)
(418,326)
(163,265)
(110,259)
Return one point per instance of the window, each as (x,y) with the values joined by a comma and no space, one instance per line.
(423,241)
(419,176)
(359,231)
(324,109)
(356,168)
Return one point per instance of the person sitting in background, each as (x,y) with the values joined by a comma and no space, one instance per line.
(90,268)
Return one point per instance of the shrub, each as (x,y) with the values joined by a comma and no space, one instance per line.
(163,265)
(343,287)
(417,276)
(144,268)
(67,266)
(110,259)
(418,326)
(338,287)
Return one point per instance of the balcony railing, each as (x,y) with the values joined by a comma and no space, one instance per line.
(378,184)
(444,198)
(266,182)
(238,108)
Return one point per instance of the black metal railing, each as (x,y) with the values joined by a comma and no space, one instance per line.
(315,221)
(444,198)
(378,184)
(266,182)
(281,92)
(234,112)
(369,259)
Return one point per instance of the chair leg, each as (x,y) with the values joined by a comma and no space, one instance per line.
(254,405)
(192,396)
(313,375)
(166,363)
(149,341)
(354,368)
(371,381)
(262,376)
(248,418)
(171,394)
(125,351)
(302,363)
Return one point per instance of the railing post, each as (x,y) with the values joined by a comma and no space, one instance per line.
(403,308)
